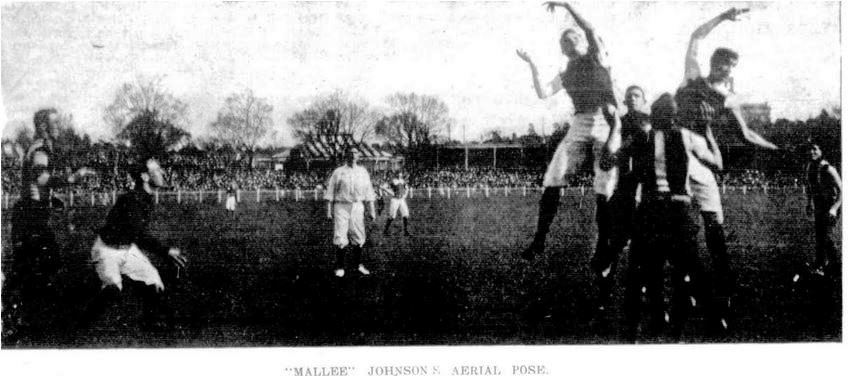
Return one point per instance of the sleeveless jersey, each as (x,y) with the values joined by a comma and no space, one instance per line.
(824,189)
(588,83)
(700,105)
(661,162)
(399,187)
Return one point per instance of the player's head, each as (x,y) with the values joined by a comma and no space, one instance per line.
(642,123)
(723,62)
(663,112)
(815,153)
(635,99)
(46,123)
(573,43)
(147,174)
(350,158)
(39,170)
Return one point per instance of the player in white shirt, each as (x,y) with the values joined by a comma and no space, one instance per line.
(398,203)
(347,189)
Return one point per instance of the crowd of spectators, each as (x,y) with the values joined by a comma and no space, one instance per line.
(186,177)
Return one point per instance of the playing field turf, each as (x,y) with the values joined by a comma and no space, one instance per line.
(265,277)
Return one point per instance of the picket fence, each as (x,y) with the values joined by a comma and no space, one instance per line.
(78,199)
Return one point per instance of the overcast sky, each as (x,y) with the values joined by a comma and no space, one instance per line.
(461,52)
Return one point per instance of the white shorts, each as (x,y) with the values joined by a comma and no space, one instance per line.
(585,139)
(230,203)
(706,193)
(398,205)
(111,263)
(348,222)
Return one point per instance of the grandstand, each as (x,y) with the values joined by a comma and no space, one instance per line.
(322,151)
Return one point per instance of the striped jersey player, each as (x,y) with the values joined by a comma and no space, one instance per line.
(398,203)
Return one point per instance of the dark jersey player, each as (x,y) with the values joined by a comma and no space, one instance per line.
(121,246)
(587,81)
(664,230)
(616,224)
(705,103)
(824,201)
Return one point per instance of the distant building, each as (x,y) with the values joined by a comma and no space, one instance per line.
(272,160)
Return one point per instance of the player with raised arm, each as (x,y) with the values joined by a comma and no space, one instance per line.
(348,187)
(122,242)
(398,203)
(705,103)
(587,81)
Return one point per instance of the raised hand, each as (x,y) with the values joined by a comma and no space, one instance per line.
(523,55)
(551,5)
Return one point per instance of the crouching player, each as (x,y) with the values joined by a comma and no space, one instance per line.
(120,247)
(664,228)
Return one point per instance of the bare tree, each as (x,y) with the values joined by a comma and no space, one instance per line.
(417,120)
(244,121)
(145,95)
(148,135)
(334,114)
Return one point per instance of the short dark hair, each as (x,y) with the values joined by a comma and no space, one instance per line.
(638,88)
(42,116)
(723,55)
(663,112)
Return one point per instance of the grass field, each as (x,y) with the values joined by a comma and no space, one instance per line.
(265,277)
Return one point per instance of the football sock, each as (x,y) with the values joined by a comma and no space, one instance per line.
(548,209)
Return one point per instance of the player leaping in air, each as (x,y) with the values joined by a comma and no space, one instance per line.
(587,80)
(708,102)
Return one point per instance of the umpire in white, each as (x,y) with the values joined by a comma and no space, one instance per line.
(346,190)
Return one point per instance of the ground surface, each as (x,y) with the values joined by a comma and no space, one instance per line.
(265,277)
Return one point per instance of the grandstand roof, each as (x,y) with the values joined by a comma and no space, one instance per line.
(323,147)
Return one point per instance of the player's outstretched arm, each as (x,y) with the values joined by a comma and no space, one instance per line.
(715,158)
(594,42)
(542,91)
(614,143)
(749,135)
(692,70)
